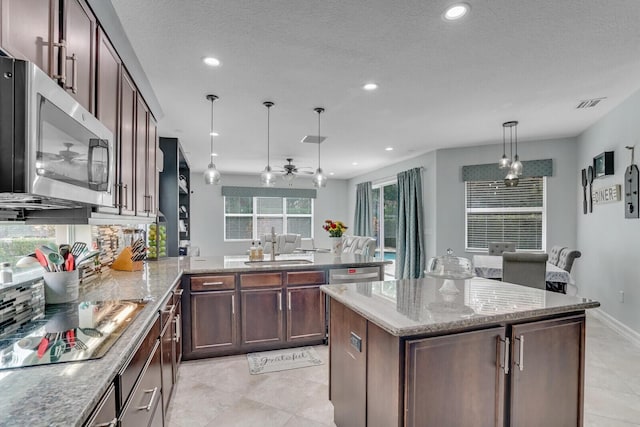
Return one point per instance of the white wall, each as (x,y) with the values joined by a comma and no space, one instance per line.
(207,211)
(610,244)
(561,190)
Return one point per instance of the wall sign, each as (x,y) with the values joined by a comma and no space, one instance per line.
(609,194)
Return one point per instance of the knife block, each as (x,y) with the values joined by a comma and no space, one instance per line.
(123,261)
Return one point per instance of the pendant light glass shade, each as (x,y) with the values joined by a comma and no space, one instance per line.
(319,178)
(267,177)
(513,163)
(212,175)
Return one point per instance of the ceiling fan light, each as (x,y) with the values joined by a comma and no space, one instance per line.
(267,177)
(212,175)
(319,179)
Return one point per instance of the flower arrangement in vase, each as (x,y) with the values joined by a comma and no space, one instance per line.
(335,229)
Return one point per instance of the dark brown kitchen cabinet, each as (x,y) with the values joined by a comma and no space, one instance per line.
(152,169)
(146,397)
(142,134)
(439,368)
(127,151)
(167,349)
(77,53)
(262,321)
(108,103)
(177,320)
(305,306)
(213,322)
(105,413)
(547,373)
(27,30)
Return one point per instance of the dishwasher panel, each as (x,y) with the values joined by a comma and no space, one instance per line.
(353,275)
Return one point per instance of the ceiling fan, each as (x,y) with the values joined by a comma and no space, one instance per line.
(289,170)
(66,155)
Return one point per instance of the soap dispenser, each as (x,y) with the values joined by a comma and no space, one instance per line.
(260,251)
(253,253)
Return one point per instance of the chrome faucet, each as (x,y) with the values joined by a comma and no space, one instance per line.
(273,244)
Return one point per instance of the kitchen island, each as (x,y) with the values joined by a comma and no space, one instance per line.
(433,352)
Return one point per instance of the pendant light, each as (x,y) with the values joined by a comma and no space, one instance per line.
(267,177)
(515,168)
(505,161)
(211,175)
(319,178)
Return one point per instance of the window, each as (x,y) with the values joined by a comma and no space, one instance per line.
(247,218)
(506,214)
(385,222)
(18,240)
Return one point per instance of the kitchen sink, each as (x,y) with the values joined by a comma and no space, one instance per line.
(279,262)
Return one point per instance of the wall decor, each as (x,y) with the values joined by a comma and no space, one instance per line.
(603,164)
(590,178)
(608,194)
(631,189)
(584,191)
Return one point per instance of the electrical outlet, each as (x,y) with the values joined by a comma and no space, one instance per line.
(621,296)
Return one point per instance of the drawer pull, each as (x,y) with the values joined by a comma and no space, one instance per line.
(112,423)
(153,397)
(178,323)
(170,310)
(178,292)
(212,283)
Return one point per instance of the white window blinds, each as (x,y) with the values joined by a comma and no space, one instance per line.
(495,213)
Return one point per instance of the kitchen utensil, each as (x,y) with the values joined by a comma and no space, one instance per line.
(64,250)
(69,263)
(43,346)
(57,349)
(56,260)
(70,336)
(584,191)
(85,257)
(80,345)
(78,248)
(42,259)
(590,178)
(91,332)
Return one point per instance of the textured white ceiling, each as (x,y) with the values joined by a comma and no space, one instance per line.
(441,84)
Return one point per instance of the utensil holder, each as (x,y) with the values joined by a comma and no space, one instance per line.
(61,286)
(123,261)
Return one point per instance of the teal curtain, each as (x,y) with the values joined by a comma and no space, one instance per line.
(363,217)
(410,247)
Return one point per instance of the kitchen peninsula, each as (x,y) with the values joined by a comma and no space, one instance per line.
(433,352)
(132,382)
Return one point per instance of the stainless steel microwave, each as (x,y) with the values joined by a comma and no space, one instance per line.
(53,152)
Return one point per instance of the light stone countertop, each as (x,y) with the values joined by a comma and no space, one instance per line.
(422,306)
(65,394)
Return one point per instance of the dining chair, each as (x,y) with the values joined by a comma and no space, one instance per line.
(566,258)
(525,269)
(285,243)
(359,245)
(497,248)
(554,255)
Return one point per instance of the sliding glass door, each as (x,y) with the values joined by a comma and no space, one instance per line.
(385,222)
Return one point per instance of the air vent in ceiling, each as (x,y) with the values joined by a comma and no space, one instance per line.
(588,103)
(313,139)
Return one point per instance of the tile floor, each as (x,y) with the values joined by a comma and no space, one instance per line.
(220,392)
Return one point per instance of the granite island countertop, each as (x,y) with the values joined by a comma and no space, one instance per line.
(65,394)
(414,307)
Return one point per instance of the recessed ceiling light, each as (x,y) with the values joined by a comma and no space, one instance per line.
(388,149)
(456,11)
(211,61)
(213,134)
(355,163)
(214,154)
(370,86)
(331,173)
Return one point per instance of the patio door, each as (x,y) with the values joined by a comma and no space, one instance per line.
(385,222)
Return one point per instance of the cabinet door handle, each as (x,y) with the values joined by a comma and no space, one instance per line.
(212,283)
(233,304)
(178,292)
(505,357)
(62,73)
(112,423)
(153,397)
(170,310)
(117,195)
(74,74)
(126,196)
(520,362)
(178,323)
(289,298)
(280,301)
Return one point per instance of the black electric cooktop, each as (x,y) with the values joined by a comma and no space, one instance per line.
(68,333)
